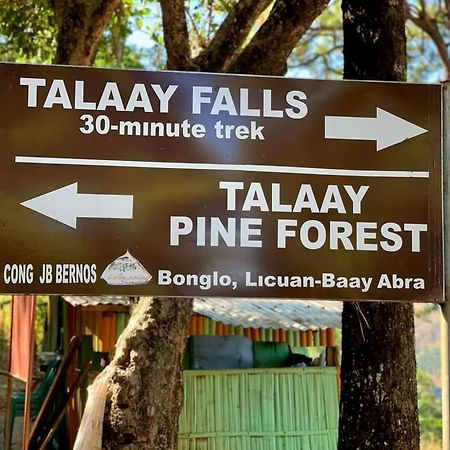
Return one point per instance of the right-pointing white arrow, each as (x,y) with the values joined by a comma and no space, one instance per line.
(66,205)
(387,129)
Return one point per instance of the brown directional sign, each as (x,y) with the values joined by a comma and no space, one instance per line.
(189,184)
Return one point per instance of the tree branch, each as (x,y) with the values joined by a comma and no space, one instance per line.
(269,49)
(423,21)
(231,35)
(81,24)
(201,42)
(176,36)
(312,59)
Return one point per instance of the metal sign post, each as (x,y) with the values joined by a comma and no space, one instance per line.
(445,317)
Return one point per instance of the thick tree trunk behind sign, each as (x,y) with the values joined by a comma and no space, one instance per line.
(379,390)
(81,24)
(145,393)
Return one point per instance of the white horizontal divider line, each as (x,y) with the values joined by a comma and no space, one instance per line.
(228,167)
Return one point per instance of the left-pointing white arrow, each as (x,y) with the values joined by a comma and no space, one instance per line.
(66,205)
(387,129)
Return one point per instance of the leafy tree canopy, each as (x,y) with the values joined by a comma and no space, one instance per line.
(134,38)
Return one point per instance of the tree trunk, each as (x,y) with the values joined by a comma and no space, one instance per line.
(379,388)
(81,24)
(145,393)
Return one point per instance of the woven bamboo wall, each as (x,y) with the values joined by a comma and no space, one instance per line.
(260,409)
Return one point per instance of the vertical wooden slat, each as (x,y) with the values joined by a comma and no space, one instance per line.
(302,338)
(316,338)
(330,337)
(309,338)
(246,406)
(276,335)
(205,330)
(192,327)
(262,335)
(297,338)
(27,405)
(255,334)
(200,325)
(323,337)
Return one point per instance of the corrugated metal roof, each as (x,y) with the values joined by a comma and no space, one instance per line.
(97,300)
(299,315)
(271,313)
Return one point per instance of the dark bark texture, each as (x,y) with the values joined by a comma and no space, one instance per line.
(176,37)
(374,40)
(145,393)
(268,51)
(265,54)
(230,36)
(81,24)
(379,388)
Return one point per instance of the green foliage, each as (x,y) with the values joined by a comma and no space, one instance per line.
(28,34)
(27,31)
(430,408)
(5,319)
(319,53)
(431,18)
(424,63)
(429,360)
(114,50)
(145,26)
(426,309)
(204,18)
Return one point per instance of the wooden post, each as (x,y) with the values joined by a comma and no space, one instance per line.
(8,430)
(29,382)
(445,369)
